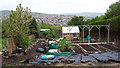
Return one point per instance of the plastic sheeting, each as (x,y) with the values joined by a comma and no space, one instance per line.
(53,50)
(98,57)
(61,54)
(59,59)
(107,56)
(88,59)
(52,46)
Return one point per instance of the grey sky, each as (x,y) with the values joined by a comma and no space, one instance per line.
(59,6)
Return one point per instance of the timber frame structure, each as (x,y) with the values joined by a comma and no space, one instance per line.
(97,47)
(98,27)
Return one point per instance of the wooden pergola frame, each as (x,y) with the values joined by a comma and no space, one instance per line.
(98,27)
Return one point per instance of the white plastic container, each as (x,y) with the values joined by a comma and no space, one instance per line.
(53,51)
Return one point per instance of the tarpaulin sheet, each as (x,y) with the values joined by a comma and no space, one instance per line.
(77,59)
(52,46)
(107,56)
(61,54)
(97,57)
(88,59)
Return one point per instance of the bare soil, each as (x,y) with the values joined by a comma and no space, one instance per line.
(14,61)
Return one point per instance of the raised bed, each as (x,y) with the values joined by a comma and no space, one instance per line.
(79,41)
(88,47)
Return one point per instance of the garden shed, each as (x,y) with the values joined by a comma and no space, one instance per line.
(70,32)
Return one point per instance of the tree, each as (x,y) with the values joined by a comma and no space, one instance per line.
(18,26)
(76,20)
(114,10)
(33,27)
(112,17)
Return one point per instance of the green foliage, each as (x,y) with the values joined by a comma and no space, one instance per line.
(39,39)
(23,41)
(54,31)
(4,43)
(114,10)
(112,17)
(50,34)
(115,23)
(33,27)
(18,22)
(17,26)
(96,20)
(65,44)
(76,20)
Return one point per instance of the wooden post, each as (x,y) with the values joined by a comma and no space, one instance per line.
(11,45)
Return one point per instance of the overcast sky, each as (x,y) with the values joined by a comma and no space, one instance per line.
(59,6)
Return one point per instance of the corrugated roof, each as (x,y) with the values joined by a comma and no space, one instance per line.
(70,29)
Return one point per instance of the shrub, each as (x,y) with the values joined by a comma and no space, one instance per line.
(65,45)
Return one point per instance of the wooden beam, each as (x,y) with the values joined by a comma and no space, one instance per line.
(95,48)
(112,45)
(103,48)
(83,50)
(79,41)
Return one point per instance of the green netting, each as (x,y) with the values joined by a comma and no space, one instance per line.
(61,54)
(53,46)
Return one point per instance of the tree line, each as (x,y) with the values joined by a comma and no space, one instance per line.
(112,17)
(21,24)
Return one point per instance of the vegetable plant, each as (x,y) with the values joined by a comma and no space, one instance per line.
(64,44)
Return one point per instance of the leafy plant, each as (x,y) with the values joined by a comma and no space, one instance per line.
(23,41)
(113,10)
(65,45)
(17,26)
(4,43)
(54,32)
(76,20)
(33,27)
(50,33)
(39,39)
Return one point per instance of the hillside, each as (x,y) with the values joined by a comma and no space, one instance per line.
(86,14)
(54,19)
